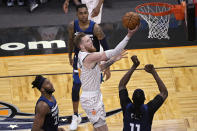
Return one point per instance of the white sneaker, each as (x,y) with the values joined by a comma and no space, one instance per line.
(33,6)
(75,121)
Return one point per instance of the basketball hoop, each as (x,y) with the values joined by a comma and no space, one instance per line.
(157,15)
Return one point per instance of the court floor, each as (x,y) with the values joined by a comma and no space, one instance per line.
(176,66)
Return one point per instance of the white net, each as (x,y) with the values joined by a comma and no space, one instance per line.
(158,25)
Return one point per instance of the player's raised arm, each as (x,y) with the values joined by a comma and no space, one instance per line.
(125,79)
(162,88)
(103,56)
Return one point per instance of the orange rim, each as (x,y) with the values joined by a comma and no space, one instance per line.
(155,4)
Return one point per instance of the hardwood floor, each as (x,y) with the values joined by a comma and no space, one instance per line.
(177,68)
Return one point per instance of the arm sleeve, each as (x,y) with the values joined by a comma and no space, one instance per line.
(155,104)
(118,48)
(104,44)
(124,99)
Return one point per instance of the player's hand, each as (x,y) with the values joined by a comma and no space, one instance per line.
(95,12)
(131,32)
(149,68)
(107,74)
(135,60)
(76,2)
(65,6)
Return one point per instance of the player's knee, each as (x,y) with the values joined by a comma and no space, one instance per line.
(99,123)
(75,92)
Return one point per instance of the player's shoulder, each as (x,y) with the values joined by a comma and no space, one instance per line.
(98,32)
(82,56)
(42,107)
(42,104)
(82,53)
(156,101)
(129,105)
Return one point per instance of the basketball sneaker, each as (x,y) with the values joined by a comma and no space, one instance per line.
(10,3)
(20,2)
(75,121)
(33,6)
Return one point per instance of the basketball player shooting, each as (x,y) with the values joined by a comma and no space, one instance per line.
(82,24)
(89,64)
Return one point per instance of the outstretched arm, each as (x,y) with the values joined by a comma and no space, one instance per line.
(106,55)
(123,93)
(125,79)
(98,32)
(162,88)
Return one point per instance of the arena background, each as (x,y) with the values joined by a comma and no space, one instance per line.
(40,41)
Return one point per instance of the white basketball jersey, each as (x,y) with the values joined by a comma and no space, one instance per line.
(91,4)
(90,78)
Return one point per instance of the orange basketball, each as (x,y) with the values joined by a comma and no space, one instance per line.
(130,20)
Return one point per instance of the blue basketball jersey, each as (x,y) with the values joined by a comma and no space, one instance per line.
(88,31)
(52,119)
(139,122)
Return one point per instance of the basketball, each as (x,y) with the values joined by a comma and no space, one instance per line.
(130,20)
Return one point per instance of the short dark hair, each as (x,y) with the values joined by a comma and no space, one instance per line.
(78,38)
(81,6)
(138,97)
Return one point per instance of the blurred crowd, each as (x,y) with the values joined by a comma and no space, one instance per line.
(34,4)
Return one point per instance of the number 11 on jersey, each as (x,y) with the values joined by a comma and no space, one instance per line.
(135,125)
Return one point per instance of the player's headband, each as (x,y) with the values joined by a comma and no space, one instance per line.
(39,80)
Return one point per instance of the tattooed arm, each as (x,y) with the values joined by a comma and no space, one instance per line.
(70,41)
(98,32)
(108,63)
